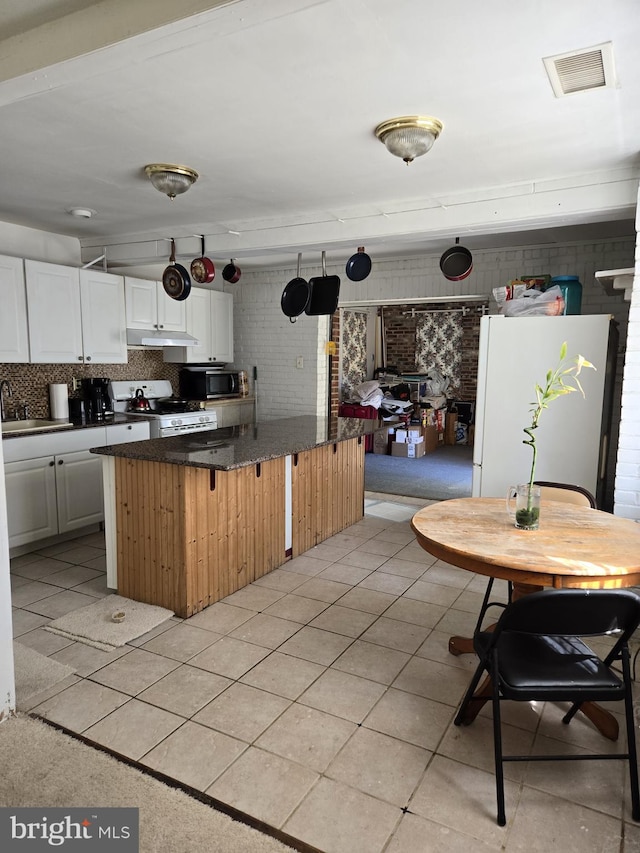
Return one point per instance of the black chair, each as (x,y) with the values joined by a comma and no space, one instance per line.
(535,653)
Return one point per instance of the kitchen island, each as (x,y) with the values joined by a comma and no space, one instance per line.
(190,519)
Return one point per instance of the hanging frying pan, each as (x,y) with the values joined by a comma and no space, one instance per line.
(175,279)
(231,273)
(456,263)
(202,268)
(295,295)
(359,265)
(324,292)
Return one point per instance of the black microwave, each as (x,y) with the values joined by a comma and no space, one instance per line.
(205,383)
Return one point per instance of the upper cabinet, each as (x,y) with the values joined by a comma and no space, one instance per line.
(14,335)
(149,307)
(210,320)
(75,315)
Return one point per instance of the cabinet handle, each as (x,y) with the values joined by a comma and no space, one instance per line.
(51,464)
(129,427)
(88,358)
(161,326)
(79,358)
(60,461)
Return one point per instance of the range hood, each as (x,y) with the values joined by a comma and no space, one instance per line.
(158,338)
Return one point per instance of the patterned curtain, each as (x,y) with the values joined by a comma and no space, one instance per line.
(353,348)
(439,344)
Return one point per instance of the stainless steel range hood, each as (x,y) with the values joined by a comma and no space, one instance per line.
(159,338)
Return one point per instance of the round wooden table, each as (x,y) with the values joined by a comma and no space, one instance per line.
(574,547)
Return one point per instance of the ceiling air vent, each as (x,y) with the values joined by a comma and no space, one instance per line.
(581,70)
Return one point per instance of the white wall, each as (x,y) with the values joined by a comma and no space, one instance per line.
(627,488)
(20,242)
(7,688)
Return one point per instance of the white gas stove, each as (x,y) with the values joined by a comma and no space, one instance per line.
(164,422)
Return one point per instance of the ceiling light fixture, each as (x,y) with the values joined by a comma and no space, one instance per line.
(409,136)
(170,179)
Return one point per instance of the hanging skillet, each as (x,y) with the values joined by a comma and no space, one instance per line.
(456,263)
(202,268)
(359,265)
(231,273)
(175,279)
(324,292)
(295,295)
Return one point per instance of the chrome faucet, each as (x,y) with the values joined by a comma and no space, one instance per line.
(4,385)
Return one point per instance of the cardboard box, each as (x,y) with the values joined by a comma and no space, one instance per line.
(382,439)
(401,436)
(413,450)
(431,438)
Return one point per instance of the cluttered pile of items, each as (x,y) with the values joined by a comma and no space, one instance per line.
(540,295)
(415,415)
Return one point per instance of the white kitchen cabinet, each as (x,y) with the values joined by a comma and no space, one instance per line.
(149,307)
(78,490)
(103,317)
(75,315)
(210,321)
(52,494)
(123,433)
(222,326)
(14,334)
(32,512)
(234,412)
(55,319)
(53,482)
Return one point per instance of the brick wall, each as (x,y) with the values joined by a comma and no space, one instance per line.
(400,332)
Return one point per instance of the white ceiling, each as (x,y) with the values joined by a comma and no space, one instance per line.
(274,104)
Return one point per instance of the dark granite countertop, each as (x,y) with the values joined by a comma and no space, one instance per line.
(118,418)
(239,446)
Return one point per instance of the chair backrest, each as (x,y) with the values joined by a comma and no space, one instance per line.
(565,492)
(573,612)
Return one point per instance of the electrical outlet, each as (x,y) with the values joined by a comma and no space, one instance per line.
(74,384)
(300,362)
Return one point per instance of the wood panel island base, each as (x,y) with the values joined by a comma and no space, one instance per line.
(192,519)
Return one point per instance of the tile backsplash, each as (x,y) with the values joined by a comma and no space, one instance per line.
(30,382)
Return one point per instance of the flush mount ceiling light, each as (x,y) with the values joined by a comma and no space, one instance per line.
(170,179)
(409,136)
(81,212)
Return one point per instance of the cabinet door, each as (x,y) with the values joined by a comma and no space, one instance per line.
(14,335)
(172,313)
(103,317)
(55,322)
(199,325)
(222,326)
(78,490)
(141,303)
(31,500)
(122,433)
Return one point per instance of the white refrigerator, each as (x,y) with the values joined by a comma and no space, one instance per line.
(515,353)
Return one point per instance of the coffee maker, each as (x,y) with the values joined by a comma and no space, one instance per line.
(97,400)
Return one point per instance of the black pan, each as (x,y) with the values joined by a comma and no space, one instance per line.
(295,295)
(359,265)
(324,293)
(175,279)
(456,263)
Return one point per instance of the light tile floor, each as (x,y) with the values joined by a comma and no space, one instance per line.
(321,698)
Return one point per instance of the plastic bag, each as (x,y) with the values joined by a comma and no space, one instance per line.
(368,393)
(435,383)
(535,303)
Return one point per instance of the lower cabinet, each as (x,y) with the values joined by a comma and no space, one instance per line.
(53,494)
(54,483)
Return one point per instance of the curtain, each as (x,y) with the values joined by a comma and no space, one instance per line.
(439,344)
(353,350)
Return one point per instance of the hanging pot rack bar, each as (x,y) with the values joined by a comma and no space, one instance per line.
(464,310)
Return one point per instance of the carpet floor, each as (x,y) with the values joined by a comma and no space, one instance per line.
(445,473)
(42,766)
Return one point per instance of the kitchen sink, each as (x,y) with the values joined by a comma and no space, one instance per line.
(32,425)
